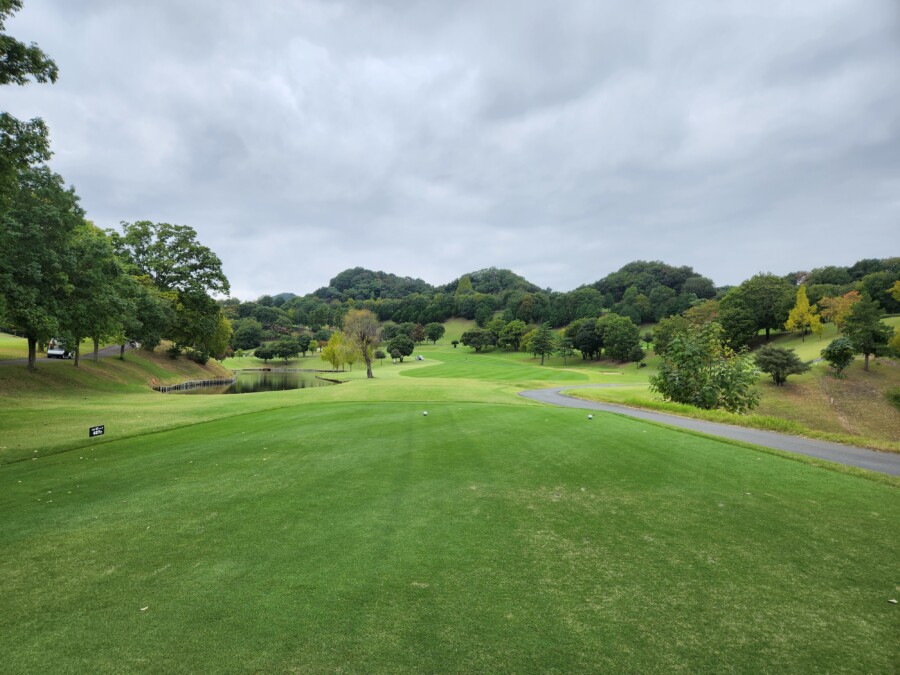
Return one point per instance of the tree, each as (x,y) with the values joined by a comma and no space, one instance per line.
(779,363)
(621,337)
(839,354)
(333,352)
(286,348)
(769,299)
(737,319)
(265,353)
(304,341)
(403,345)
(248,334)
(22,144)
(177,263)
(647,338)
(867,333)
(380,355)
(362,327)
(478,339)
(36,255)
(434,331)
(418,333)
(803,317)
(699,369)
(837,309)
(511,334)
(666,330)
(96,303)
(565,348)
(454,343)
(544,342)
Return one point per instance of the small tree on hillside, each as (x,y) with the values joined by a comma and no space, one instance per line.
(566,348)
(837,309)
(434,331)
(779,363)
(286,348)
(380,355)
(867,333)
(402,344)
(839,354)
(544,342)
(803,317)
(647,338)
(304,342)
(265,353)
(511,334)
(478,339)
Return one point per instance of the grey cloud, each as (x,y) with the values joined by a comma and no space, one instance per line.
(429,139)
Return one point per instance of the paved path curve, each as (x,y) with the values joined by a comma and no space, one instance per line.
(884,462)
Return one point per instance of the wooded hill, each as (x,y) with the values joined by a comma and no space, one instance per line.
(642,291)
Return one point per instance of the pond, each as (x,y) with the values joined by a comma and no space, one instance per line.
(252,381)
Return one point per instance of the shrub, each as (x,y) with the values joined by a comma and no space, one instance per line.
(173,352)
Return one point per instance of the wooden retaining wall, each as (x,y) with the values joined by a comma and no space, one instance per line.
(194,384)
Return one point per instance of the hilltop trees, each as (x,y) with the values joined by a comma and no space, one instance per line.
(839,354)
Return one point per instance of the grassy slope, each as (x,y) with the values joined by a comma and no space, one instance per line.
(339,528)
(852,410)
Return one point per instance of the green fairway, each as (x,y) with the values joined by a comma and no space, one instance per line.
(341,529)
(481,537)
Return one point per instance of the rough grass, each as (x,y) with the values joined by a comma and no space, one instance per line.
(482,537)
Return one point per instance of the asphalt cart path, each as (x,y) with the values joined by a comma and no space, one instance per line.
(883,462)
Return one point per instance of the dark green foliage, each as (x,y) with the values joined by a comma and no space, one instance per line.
(247,334)
(36,255)
(478,339)
(779,363)
(173,352)
(197,355)
(700,370)
(434,331)
(286,348)
(565,348)
(893,395)
(304,341)
(737,319)
(587,340)
(839,354)
(511,335)
(647,338)
(620,337)
(666,330)
(865,330)
(544,342)
(402,344)
(266,353)
(380,355)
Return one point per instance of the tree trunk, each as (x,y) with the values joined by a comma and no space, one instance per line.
(866,366)
(767,333)
(368,361)
(77,352)
(96,349)
(122,352)
(32,354)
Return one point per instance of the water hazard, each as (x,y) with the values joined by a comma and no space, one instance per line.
(252,381)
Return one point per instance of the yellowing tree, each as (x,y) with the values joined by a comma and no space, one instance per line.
(803,317)
(334,352)
(837,309)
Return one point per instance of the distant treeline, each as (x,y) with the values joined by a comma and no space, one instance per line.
(642,291)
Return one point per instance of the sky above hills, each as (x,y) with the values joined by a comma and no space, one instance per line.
(429,139)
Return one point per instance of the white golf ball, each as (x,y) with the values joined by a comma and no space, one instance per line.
(425,412)
(590,417)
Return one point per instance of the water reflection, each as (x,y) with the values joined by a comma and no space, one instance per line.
(249,382)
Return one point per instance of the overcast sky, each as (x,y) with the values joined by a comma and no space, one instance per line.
(428,139)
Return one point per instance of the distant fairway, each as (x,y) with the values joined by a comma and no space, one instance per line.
(339,529)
